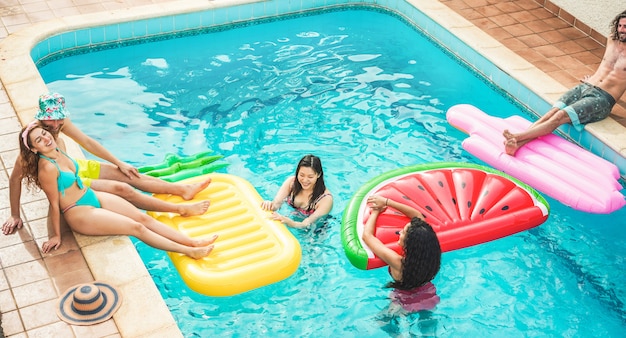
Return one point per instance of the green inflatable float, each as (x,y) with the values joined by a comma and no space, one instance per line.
(176,168)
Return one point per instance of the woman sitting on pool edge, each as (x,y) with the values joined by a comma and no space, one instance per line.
(306,192)
(422,252)
(90,212)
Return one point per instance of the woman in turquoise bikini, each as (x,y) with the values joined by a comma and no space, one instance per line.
(306,192)
(87,211)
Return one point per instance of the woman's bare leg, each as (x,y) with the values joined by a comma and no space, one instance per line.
(148,202)
(123,207)
(153,184)
(111,220)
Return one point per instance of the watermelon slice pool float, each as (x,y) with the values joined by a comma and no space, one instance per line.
(466,204)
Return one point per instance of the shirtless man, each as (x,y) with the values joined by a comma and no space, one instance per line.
(590,101)
(115,177)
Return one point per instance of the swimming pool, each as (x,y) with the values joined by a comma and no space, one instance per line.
(364,111)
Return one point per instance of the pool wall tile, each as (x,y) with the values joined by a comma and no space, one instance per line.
(153,27)
(395,4)
(125,30)
(328,3)
(166,24)
(68,40)
(206,17)
(40,50)
(96,35)
(111,33)
(229,15)
(179,22)
(140,28)
(220,16)
(83,37)
(194,20)
(55,43)
(309,5)
(282,7)
(257,10)
(233,14)
(246,12)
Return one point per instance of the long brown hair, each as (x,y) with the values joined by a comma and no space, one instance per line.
(614,23)
(30,159)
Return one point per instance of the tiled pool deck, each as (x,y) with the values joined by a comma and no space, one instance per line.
(546,54)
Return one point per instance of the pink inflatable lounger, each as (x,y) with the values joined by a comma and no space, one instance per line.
(550,164)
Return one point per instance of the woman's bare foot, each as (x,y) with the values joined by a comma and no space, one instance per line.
(193,209)
(192,189)
(510,146)
(507,135)
(200,252)
(203,242)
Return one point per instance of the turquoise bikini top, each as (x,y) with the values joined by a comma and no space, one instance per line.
(66,178)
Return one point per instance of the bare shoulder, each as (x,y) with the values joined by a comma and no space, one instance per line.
(45,165)
(46,169)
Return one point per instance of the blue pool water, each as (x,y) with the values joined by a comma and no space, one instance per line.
(368,94)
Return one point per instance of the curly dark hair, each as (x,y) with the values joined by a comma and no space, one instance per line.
(313,162)
(614,23)
(30,159)
(422,256)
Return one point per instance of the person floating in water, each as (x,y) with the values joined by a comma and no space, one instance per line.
(590,101)
(422,252)
(306,192)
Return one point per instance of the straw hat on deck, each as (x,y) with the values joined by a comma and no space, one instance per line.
(90,303)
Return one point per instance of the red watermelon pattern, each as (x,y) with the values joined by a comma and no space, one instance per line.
(465,204)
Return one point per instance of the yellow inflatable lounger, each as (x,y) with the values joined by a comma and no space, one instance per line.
(251,251)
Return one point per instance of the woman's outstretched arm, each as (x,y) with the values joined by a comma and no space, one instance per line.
(48,180)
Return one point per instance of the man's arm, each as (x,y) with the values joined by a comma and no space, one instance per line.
(96,148)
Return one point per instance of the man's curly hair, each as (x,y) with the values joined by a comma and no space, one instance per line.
(614,23)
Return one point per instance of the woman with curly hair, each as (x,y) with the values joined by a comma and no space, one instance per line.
(90,212)
(422,253)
